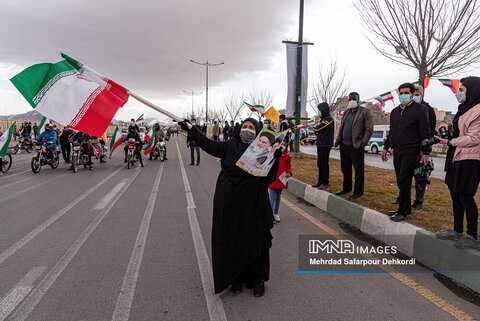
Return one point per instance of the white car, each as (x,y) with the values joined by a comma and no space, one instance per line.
(375,144)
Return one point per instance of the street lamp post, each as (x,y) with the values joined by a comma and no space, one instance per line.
(192,93)
(206,64)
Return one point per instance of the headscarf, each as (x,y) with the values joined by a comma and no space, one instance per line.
(324,108)
(473,99)
(255,123)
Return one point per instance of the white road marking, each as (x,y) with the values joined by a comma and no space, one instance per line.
(19,292)
(31,301)
(214,303)
(12,175)
(127,292)
(107,198)
(3,199)
(27,238)
(16,182)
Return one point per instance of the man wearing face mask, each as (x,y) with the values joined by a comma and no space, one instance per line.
(242,214)
(193,145)
(324,130)
(409,126)
(354,134)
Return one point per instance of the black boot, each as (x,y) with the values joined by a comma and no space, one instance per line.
(237,286)
(259,288)
(102,159)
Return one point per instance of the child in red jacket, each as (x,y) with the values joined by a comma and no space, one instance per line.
(284,173)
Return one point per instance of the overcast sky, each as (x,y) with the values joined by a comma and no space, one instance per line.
(146,46)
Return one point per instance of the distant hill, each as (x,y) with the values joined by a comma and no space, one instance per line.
(30,115)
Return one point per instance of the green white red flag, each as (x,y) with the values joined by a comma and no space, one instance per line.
(453,84)
(117,140)
(257,108)
(150,138)
(387,96)
(41,127)
(5,140)
(139,118)
(72,94)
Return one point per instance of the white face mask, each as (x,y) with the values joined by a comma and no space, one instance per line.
(461,96)
(352,104)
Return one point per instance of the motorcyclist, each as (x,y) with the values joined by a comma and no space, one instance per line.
(84,141)
(96,144)
(49,137)
(133,133)
(159,136)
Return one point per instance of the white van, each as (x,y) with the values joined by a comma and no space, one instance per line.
(375,144)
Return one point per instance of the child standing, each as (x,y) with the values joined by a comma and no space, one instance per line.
(284,173)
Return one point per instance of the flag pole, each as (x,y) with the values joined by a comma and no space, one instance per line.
(153,106)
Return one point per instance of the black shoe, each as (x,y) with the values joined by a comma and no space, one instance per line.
(395,201)
(392,213)
(102,161)
(198,164)
(237,287)
(165,158)
(191,164)
(398,217)
(259,288)
(342,192)
(354,197)
(317,185)
(323,186)
(417,205)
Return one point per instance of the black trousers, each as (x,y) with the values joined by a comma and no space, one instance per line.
(323,156)
(420,189)
(192,150)
(351,156)
(465,204)
(405,163)
(65,147)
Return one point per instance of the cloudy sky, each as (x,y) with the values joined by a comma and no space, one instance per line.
(146,46)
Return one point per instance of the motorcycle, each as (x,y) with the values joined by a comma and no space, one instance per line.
(6,163)
(132,152)
(159,151)
(79,156)
(23,143)
(43,158)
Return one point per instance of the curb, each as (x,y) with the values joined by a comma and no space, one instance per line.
(410,240)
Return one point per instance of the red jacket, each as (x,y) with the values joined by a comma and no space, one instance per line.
(285,165)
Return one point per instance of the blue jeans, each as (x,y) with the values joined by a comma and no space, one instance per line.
(275,197)
(50,149)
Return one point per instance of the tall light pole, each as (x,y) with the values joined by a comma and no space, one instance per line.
(206,64)
(192,93)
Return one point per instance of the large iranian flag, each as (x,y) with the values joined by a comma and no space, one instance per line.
(5,140)
(41,127)
(150,138)
(72,94)
(116,141)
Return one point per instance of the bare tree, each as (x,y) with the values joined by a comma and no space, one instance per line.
(329,86)
(233,102)
(436,37)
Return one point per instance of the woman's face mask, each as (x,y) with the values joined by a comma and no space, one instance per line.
(247,135)
(319,113)
(461,96)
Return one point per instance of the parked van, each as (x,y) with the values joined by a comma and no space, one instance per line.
(375,144)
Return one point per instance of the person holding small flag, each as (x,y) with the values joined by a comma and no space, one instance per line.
(324,130)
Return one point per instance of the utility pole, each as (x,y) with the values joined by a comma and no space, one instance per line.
(206,64)
(192,93)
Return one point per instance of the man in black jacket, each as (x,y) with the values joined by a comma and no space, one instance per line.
(324,130)
(409,126)
(65,144)
(193,145)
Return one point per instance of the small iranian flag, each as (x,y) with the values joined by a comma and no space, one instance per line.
(5,141)
(341,112)
(150,139)
(117,140)
(257,108)
(72,94)
(41,127)
(387,96)
(139,118)
(453,84)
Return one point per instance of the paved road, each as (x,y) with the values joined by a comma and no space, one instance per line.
(118,244)
(376,161)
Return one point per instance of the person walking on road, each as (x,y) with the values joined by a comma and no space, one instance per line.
(324,130)
(225,130)
(354,134)
(65,144)
(216,131)
(193,145)
(242,215)
(409,126)
(463,165)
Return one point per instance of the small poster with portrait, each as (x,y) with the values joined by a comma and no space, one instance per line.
(258,157)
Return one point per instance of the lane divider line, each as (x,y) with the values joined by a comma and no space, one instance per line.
(403,278)
(31,301)
(127,292)
(214,303)
(39,229)
(19,292)
(107,198)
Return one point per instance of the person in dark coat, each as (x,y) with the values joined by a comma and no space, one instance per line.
(193,145)
(324,130)
(225,130)
(65,144)
(242,215)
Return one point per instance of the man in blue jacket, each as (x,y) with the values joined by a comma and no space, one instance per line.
(49,137)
